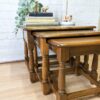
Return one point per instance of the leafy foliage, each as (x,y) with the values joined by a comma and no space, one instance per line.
(24,8)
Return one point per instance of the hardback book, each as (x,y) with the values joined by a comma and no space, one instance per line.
(40,20)
(41,24)
(36,17)
(41,14)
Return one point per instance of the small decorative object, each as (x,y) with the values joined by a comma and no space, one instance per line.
(68,18)
(67,21)
(44,9)
(38,6)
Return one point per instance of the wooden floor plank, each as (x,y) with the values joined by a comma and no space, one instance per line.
(15,84)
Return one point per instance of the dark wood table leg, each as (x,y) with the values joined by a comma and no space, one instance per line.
(31,67)
(26,54)
(95,68)
(77,62)
(33,76)
(86,64)
(72,62)
(35,57)
(45,66)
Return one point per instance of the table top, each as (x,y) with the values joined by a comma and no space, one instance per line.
(57,34)
(70,42)
(55,28)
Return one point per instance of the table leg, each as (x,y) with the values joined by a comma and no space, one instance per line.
(35,58)
(72,61)
(62,56)
(61,82)
(77,62)
(33,76)
(95,67)
(26,54)
(45,66)
(86,64)
(98,69)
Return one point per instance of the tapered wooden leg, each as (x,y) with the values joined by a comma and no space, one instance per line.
(86,64)
(62,56)
(35,57)
(61,82)
(33,76)
(45,66)
(45,72)
(98,69)
(94,67)
(77,62)
(26,54)
(72,61)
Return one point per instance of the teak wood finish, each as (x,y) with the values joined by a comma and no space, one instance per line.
(68,47)
(40,35)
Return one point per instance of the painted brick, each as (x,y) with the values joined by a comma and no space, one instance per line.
(85,12)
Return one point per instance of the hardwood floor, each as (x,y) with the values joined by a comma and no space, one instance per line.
(15,84)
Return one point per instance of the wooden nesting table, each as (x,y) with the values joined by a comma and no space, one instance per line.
(40,35)
(77,46)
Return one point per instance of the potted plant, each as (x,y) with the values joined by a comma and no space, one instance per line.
(24,8)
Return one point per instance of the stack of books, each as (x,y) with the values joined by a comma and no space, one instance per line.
(40,19)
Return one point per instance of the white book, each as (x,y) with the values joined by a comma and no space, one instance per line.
(40,24)
(40,20)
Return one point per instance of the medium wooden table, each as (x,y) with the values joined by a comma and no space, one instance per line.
(42,34)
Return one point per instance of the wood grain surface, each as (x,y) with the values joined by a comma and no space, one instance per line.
(15,84)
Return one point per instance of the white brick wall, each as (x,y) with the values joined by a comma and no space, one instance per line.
(85,12)
(11,46)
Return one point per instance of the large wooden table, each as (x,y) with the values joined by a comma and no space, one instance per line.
(41,34)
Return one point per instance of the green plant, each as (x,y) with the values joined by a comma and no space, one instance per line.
(24,8)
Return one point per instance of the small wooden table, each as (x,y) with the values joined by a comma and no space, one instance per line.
(42,34)
(77,46)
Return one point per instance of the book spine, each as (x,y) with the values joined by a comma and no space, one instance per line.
(39,20)
(41,14)
(38,24)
